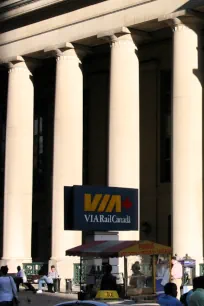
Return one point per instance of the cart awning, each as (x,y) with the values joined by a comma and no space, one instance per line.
(106,249)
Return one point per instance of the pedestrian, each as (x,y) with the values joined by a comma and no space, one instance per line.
(197,297)
(8,290)
(176,275)
(169,296)
(186,296)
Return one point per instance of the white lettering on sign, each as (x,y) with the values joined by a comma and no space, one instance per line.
(87,217)
(90,218)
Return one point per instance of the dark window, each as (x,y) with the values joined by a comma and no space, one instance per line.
(165,126)
(169,230)
(38,154)
(85,135)
(85,143)
(3,115)
(34,240)
(2,156)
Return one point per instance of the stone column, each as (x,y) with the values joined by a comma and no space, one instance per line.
(18,166)
(68,151)
(187,141)
(124,145)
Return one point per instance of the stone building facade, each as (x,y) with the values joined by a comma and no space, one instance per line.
(101,93)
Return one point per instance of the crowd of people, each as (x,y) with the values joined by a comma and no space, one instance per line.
(194,297)
(171,296)
(9,286)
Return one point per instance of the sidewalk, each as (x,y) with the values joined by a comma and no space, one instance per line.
(45,299)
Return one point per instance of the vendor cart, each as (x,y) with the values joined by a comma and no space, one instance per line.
(146,271)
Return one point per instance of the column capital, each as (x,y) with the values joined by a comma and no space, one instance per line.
(21,63)
(67,50)
(118,37)
(184,20)
(185,23)
(115,34)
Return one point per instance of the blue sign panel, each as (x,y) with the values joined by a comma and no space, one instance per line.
(102,208)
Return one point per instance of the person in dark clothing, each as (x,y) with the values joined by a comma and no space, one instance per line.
(169,298)
(108,281)
(22,279)
(185,297)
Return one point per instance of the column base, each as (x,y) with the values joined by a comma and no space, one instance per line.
(12,263)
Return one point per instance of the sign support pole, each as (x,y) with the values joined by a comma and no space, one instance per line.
(154,273)
(80,276)
(125,275)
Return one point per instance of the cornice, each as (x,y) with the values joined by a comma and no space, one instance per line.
(13,8)
(8,5)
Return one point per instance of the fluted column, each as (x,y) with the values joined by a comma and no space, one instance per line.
(18,166)
(123,170)
(187,141)
(68,148)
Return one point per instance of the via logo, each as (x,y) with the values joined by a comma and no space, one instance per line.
(105,203)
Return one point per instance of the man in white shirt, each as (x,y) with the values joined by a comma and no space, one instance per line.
(176,275)
(21,278)
(21,274)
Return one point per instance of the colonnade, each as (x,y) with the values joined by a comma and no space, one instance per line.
(124,142)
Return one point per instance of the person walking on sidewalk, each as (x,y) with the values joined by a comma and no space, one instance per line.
(197,297)
(8,290)
(176,275)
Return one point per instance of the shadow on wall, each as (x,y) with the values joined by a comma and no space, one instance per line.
(46,13)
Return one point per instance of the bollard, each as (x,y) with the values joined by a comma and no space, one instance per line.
(68,285)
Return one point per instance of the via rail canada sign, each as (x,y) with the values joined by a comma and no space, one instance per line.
(101,208)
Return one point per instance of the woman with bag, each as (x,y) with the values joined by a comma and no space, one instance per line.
(8,291)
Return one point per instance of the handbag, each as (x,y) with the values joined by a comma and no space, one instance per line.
(15,299)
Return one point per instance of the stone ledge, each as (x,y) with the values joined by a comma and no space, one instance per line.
(86,14)
(10,5)
(78,26)
(33,5)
